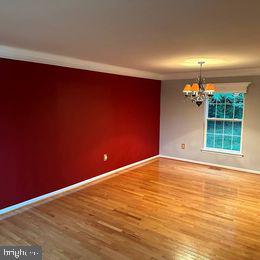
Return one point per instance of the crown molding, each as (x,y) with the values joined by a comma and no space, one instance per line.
(213,74)
(64,61)
(235,87)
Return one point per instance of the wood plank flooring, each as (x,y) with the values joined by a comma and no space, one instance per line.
(164,209)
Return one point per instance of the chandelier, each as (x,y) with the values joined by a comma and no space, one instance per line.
(200,91)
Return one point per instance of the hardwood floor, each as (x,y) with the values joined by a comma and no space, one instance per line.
(164,209)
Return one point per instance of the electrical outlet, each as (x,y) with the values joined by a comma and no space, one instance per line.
(105,157)
(183,146)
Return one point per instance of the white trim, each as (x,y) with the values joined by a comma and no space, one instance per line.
(236,87)
(222,151)
(65,61)
(58,60)
(205,123)
(210,164)
(225,119)
(51,194)
(213,74)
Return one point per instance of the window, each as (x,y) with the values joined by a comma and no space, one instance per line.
(224,123)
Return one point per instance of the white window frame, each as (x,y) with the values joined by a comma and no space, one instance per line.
(218,150)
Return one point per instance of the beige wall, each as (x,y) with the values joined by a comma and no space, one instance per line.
(182,122)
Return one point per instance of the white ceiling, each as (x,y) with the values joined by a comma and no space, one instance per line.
(158,36)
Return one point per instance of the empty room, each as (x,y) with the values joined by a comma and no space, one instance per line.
(129,129)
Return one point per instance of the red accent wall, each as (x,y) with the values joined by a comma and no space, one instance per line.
(56,123)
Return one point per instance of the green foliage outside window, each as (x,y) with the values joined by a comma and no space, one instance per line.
(224,121)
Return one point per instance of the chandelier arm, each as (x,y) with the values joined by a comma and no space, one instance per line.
(198,92)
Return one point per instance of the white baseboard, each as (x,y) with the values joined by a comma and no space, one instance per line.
(210,164)
(51,194)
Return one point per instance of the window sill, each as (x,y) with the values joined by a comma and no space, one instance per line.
(238,154)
